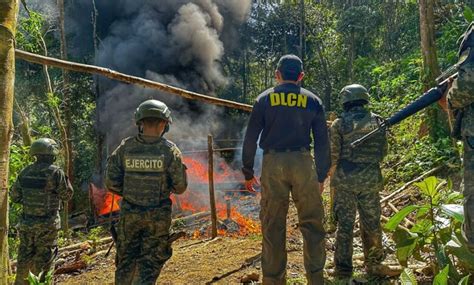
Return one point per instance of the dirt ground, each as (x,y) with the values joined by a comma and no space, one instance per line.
(225,260)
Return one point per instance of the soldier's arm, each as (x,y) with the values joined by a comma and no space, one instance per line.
(336,143)
(16,192)
(64,186)
(178,180)
(114,172)
(461,93)
(322,153)
(254,128)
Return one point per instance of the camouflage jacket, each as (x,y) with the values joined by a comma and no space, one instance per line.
(461,94)
(352,125)
(145,173)
(39,189)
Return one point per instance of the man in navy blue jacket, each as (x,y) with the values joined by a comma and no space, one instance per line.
(285,117)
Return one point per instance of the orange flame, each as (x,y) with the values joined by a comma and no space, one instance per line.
(111,204)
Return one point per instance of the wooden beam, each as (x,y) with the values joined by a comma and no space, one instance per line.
(212,198)
(112,74)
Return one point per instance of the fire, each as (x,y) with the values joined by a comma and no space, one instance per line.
(231,221)
(104,201)
(198,171)
(111,204)
(196,199)
(247,226)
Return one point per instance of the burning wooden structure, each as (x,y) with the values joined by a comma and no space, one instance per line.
(216,195)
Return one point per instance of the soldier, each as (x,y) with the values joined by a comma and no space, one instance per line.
(145,170)
(461,102)
(357,179)
(39,188)
(285,117)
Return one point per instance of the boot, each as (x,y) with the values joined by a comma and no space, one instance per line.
(384,270)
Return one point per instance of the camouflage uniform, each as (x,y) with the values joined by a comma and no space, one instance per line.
(145,173)
(39,189)
(461,99)
(357,181)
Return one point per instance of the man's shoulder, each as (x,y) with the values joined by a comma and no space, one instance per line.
(169,144)
(311,95)
(172,147)
(127,142)
(55,169)
(265,94)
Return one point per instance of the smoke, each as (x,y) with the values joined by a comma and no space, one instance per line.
(178,42)
(173,37)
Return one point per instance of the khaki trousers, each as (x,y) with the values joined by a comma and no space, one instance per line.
(284,173)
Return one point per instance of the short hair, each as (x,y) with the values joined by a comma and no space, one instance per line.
(290,67)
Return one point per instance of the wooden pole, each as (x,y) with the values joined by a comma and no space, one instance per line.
(112,74)
(210,143)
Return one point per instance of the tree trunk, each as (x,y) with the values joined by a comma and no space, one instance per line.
(54,108)
(8,18)
(66,93)
(302,31)
(326,77)
(24,125)
(428,44)
(100,147)
(244,77)
(437,121)
(351,49)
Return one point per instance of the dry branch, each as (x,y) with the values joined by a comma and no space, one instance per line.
(109,73)
(115,75)
(408,184)
(187,219)
(85,245)
(71,267)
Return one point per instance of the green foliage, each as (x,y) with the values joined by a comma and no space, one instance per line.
(468,14)
(464,280)
(19,159)
(407,277)
(30,30)
(442,277)
(40,279)
(435,234)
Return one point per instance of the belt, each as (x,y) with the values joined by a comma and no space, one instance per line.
(126,205)
(289,149)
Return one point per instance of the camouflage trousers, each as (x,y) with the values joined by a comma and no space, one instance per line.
(357,190)
(469,191)
(38,250)
(142,245)
(284,173)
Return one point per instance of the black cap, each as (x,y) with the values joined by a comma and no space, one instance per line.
(290,67)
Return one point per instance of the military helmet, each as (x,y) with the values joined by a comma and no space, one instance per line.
(44,146)
(354,92)
(153,109)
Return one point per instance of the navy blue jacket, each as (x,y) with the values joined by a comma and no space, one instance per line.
(285,116)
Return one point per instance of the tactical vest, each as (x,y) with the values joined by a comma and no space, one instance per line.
(461,96)
(354,126)
(40,197)
(145,178)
